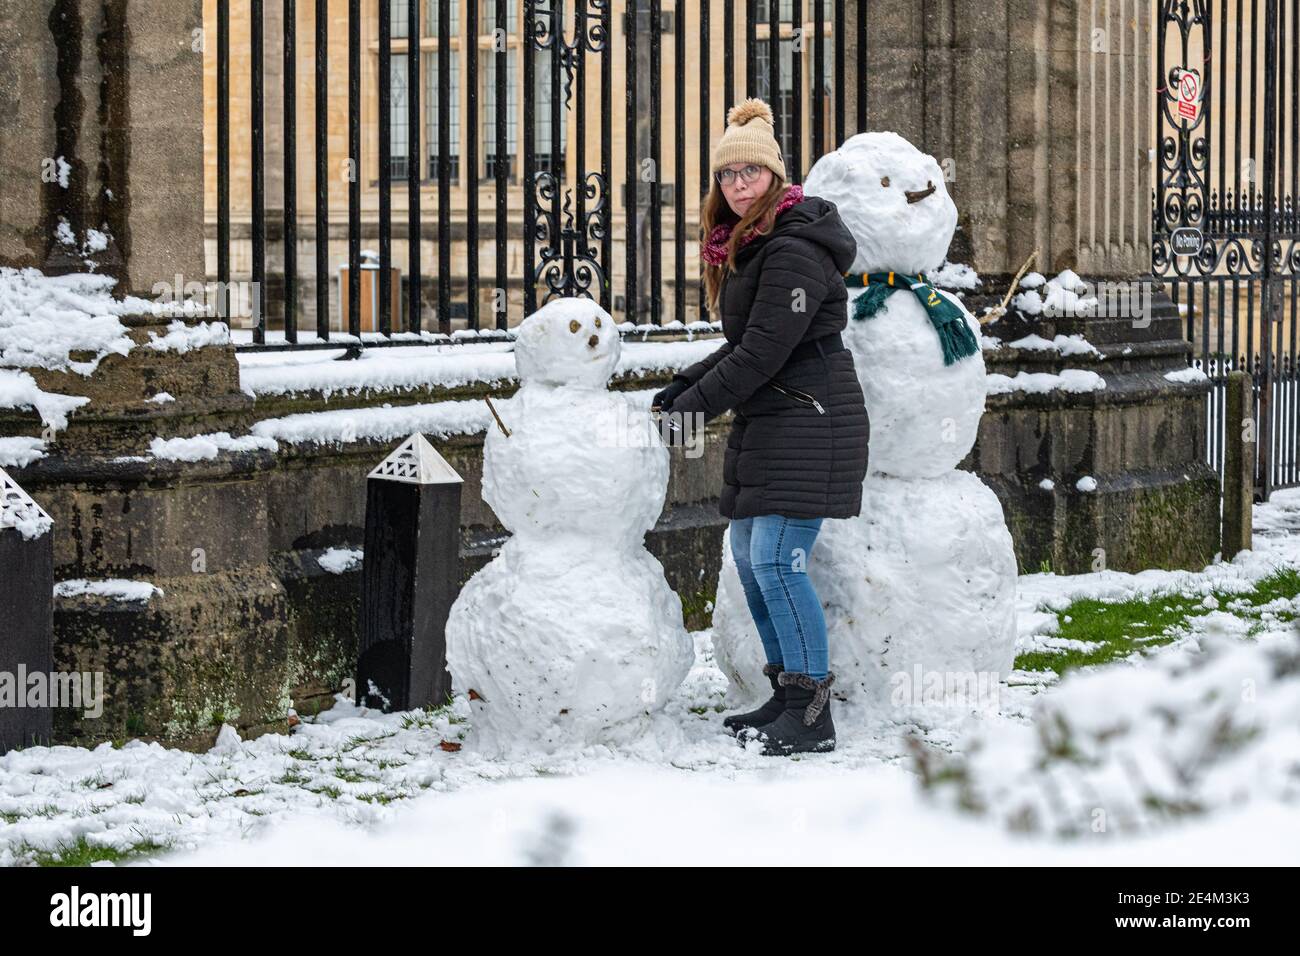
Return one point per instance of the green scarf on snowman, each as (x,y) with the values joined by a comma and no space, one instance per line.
(955,336)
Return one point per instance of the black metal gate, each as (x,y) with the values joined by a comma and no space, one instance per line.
(1225,237)
(567,232)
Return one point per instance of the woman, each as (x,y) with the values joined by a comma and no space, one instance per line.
(797,451)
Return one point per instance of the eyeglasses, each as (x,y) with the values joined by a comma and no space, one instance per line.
(749,174)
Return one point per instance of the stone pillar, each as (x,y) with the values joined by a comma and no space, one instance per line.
(97,104)
(27,134)
(1040,114)
(1039,111)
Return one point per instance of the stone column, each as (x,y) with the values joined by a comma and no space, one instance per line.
(101,121)
(1040,113)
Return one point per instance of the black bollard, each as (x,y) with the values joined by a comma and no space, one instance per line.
(409,578)
(26,617)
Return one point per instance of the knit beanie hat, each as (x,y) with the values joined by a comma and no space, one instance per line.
(749,138)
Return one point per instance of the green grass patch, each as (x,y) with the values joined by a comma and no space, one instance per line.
(82,853)
(1120,628)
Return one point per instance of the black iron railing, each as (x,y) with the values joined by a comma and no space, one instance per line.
(1225,237)
(567,232)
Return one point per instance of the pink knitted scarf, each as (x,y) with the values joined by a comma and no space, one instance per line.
(714,250)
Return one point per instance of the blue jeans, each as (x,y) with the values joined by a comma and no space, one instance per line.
(771,554)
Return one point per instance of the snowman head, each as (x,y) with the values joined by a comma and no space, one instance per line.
(568,341)
(891,196)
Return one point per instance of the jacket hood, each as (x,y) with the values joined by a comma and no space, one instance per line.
(816,219)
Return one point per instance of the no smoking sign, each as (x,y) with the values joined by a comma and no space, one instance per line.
(1189,95)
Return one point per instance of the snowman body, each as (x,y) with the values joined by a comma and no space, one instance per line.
(922,582)
(570,635)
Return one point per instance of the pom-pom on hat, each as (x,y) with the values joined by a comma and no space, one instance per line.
(749,138)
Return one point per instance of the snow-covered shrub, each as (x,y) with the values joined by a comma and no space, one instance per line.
(1125,748)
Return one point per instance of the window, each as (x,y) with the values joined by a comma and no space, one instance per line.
(488,16)
(399,19)
(398,131)
(430,25)
(489,121)
(545,89)
(764,12)
(430,68)
(783,104)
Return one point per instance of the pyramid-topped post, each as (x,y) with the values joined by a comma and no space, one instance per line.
(410,576)
(26,618)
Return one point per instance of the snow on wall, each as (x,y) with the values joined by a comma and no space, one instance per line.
(45,319)
(414,367)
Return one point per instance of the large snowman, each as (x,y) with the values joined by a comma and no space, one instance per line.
(919,590)
(571,634)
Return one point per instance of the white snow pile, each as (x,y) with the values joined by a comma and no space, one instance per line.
(415,367)
(1189,374)
(340,560)
(1065,344)
(204,447)
(182,338)
(1065,295)
(120,589)
(1068,380)
(20,512)
(1208,725)
(19,390)
(45,319)
(21,451)
(954,275)
(385,423)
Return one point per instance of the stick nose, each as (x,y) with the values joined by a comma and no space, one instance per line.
(919,194)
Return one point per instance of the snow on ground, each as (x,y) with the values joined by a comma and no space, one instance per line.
(353,784)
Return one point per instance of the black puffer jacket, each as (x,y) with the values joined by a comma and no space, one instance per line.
(786,455)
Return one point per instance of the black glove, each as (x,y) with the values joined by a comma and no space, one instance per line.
(678,430)
(663,400)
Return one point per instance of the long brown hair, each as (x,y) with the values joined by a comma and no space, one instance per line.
(760,216)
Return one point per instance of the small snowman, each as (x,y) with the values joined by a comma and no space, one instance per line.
(571,634)
(919,589)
